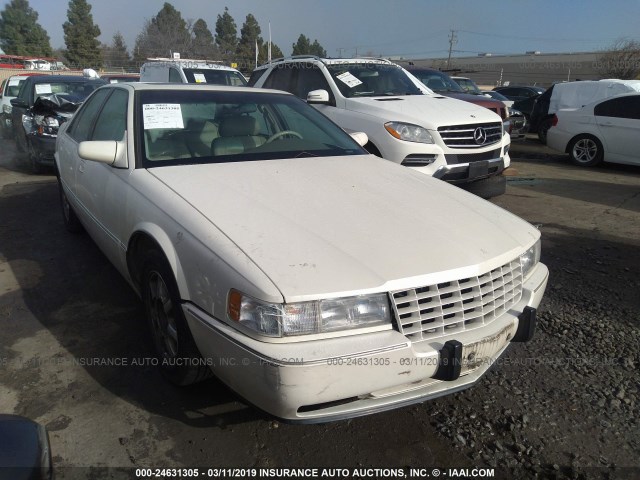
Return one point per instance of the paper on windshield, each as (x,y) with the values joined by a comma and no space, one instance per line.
(14,81)
(43,88)
(199,78)
(162,115)
(348,79)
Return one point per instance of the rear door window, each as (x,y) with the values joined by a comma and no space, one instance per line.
(280,78)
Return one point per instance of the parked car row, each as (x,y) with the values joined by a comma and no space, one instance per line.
(451,140)
(318,281)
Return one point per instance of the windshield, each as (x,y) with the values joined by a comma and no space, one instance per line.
(468,85)
(181,127)
(13,87)
(496,95)
(72,91)
(437,81)
(371,80)
(215,77)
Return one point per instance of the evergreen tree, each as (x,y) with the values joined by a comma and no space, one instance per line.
(164,34)
(317,49)
(264,53)
(249,36)
(20,32)
(116,54)
(226,35)
(302,46)
(81,36)
(202,45)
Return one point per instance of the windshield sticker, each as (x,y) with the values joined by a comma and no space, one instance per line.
(162,115)
(348,79)
(13,82)
(199,78)
(43,88)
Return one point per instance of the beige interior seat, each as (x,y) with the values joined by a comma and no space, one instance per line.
(238,134)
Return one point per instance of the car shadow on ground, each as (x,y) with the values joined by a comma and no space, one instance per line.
(75,293)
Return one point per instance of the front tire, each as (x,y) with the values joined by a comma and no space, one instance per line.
(21,140)
(178,357)
(71,221)
(544,127)
(586,151)
(33,158)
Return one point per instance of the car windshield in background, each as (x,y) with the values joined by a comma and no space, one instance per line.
(72,91)
(436,81)
(371,80)
(181,127)
(215,77)
(468,86)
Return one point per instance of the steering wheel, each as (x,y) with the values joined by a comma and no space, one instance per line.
(275,136)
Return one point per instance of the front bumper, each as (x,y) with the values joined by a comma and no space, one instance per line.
(43,148)
(332,379)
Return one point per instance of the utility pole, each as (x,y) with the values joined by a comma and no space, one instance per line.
(453,40)
(339,50)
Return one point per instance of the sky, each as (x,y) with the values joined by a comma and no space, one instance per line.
(408,28)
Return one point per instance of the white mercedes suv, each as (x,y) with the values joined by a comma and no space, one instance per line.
(405,121)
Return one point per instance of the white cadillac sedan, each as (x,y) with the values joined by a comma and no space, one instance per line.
(604,130)
(317,281)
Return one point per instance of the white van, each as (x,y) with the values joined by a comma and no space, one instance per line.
(167,70)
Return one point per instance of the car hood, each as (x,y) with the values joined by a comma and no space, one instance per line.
(320,227)
(429,111)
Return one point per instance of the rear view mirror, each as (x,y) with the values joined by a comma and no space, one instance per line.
(18,102)
(360,137)
(104,151)
(318,97)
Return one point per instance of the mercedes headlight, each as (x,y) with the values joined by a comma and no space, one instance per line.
(408,132)
(530,259)
(307,318)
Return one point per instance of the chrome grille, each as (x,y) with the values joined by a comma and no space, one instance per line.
(462,136)
(447,308)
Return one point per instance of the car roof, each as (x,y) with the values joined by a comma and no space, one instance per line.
(413,68)
(63,78)
(326,61)
(189,64)
(198,87)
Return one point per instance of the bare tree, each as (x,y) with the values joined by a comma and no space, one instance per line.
(621,60)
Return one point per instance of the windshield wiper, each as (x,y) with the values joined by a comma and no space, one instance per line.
(306,154)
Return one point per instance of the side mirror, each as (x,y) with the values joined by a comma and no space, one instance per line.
(18,102)
(318,97)
(360,137)
(105,151)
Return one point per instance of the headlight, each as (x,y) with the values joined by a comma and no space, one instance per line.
(307,318)
(47,125)
(7,109)
(530,259)
(514,113)
(408,132)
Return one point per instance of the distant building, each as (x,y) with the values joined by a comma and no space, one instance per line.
(531,68)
